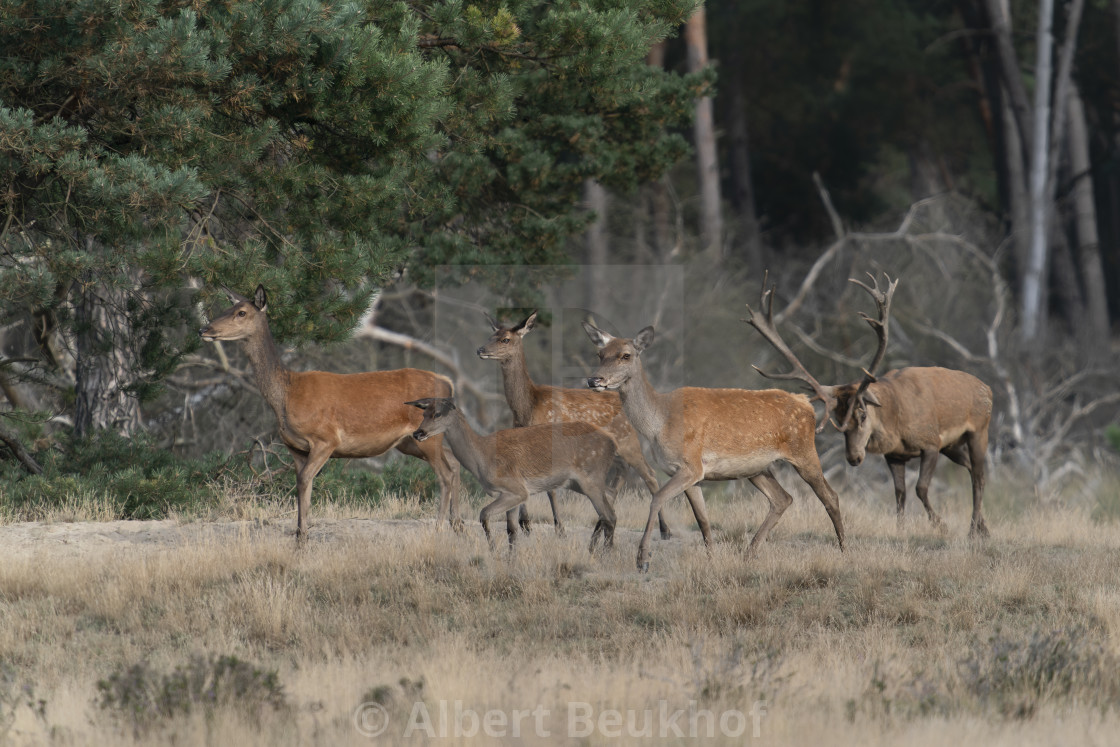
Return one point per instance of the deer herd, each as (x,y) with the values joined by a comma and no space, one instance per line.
(579,438)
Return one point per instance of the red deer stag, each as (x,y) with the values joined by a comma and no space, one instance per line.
(713,434)
(534,404)
(324,415)
(908,412)
(514,463)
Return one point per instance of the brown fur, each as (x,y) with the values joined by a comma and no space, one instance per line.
(714,434)
(323,415)
(534,404)
(922,412)
(514,463)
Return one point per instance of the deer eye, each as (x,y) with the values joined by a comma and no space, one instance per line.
(241,313)
(625,356)
(505,341)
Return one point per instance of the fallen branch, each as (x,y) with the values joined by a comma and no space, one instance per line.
(10,440)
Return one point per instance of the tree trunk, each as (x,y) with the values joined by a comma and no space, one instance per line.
(595,256)
(1088,252)
(1033,314)
(657,193)
(999,16)
(102,371)
(742,187)
(707,161)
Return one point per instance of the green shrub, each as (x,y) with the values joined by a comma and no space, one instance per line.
(1112,433)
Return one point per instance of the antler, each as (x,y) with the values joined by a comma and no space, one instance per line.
(766,328)
(882,330)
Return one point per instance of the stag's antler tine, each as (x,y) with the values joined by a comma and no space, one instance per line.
(881,325)
(769,332)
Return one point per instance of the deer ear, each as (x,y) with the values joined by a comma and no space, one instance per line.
(598,336)
(526,326)
(234,298)
(871,399)
(421,403)
(260,298)
(643,339)
(494,326)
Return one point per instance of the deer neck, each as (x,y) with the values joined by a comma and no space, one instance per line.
(518,388)
(643,405)
(468,447)
(272,376)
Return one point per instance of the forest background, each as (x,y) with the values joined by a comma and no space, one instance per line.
(388,169)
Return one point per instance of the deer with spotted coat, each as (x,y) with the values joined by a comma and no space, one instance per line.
(713,434)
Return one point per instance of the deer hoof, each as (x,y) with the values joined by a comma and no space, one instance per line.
(979,530)
(643,561)
(666,534)
(560,530)
(457,525)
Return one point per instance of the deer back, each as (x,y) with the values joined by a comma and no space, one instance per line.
(365,411)
(922,408)
(538,450)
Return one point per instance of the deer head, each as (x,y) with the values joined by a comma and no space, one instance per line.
(618,357)
(241,320)
(506,341)
(436,420)
(853,403)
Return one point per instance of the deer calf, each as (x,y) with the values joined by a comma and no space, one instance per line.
(514,463)
(713,434)
(533,404)
(914,412)
(324,415)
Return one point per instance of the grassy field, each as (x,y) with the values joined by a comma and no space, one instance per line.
(386,630)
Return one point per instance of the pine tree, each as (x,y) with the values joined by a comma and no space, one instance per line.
(311,146)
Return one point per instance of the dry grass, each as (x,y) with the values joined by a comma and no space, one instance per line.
(911,635)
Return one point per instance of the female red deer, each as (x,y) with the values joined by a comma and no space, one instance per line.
(324,415)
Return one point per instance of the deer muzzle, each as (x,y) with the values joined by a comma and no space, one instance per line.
(419,434)
(598,383)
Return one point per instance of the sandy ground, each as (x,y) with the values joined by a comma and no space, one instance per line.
(90,539)
(79,539)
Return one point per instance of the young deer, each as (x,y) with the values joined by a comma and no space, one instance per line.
(324,415)
(713,434)
(514,463)
(909,412)
(533,404)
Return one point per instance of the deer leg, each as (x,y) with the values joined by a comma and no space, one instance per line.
(630,449)
(700,511)
(779,500)
(307,466)
(897,467)
(523,519)
(446,466)
(813,475)
(925,477)
(556,523)
(600,497)
(978,457)
(684,479)
(506,502)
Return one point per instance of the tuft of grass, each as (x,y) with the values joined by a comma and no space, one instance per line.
(143,697)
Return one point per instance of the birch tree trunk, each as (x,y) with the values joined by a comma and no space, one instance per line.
(1034,278)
